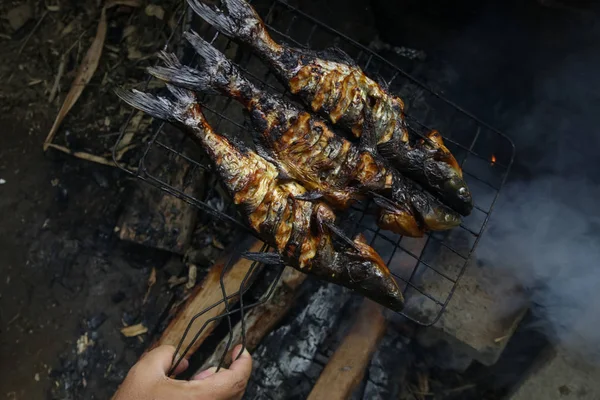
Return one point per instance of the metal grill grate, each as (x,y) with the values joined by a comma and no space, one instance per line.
(428,268)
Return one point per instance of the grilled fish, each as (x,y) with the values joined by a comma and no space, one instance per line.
(331,83)
(297,229)
(305,149)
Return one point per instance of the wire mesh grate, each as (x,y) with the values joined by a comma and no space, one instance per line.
(429,268)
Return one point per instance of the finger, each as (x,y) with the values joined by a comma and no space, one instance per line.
(182,366)
(227,384)
(242,366)
(159,360)
(205,374)
(237,352)
(231,383)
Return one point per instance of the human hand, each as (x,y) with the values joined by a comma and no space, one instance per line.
(148,380)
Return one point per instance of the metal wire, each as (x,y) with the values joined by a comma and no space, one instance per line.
(179,355)
(428,268)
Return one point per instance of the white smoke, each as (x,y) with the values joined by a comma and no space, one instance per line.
(546,233)
(547,229)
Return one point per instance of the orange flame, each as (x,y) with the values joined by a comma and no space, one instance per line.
(493,160)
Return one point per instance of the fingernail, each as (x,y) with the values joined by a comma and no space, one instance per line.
(205,374)
(239,348)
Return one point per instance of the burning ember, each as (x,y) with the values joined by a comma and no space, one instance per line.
(493,160)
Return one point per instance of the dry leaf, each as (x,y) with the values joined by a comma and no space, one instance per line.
(133,127)
(152,10)
(175,281)
(87,68)
(217,243)
(152,278)
(134,330)
(18,16)
(133,53)
(83,343)
(69,28)
(192,275)
(58,77)
(151,282)
(128,31)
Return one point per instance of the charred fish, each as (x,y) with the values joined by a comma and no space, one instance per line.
(307,150)
(301,231)
(331,83)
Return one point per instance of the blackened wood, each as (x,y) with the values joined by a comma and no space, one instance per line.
(284,366)
(346,368)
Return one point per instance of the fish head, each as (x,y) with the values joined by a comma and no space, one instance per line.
(449,186)
(435,216)
(462,200)
(445,173)
(365,272)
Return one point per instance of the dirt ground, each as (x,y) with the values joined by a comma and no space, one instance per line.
(68,285)
(57,266)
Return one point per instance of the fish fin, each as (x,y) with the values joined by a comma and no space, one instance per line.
(368,138)
(312,195)
(235,20)
(336,54)
(169,59)
(383,202)
(264,258)
(264,153)
(168,109)
(340,234)
(389,149)
(283,175)
(183,96)
(377,77)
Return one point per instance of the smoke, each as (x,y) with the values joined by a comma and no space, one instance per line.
(546,233)
(546,228)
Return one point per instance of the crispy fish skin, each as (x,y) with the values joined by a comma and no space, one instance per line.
(297,229)
(331,83)
(304,148)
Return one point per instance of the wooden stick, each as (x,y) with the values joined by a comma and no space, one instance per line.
(347,365)
(263,318)
(37,25)
(83,155)
(205,295)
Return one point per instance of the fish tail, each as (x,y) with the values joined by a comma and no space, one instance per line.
(172,71)
(214,74)
(237,19)
(173,109)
